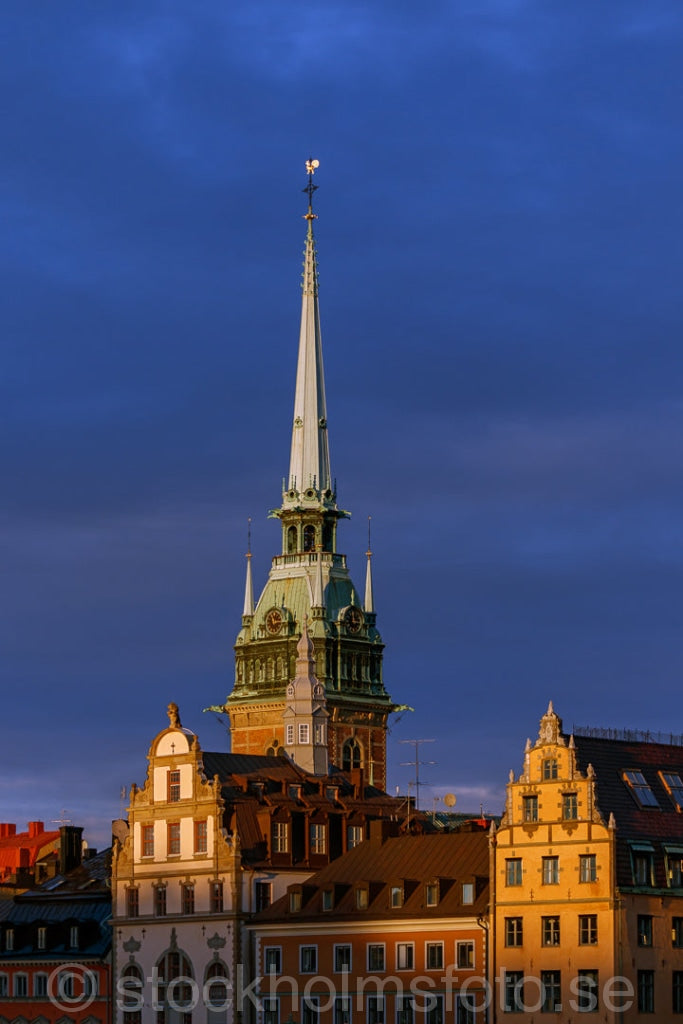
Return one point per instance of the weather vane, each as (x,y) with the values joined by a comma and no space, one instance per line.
(311,167)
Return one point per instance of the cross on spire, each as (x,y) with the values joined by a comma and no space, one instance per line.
(311,166)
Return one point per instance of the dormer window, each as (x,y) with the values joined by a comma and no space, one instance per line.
(73,936)
(362,897)
(327,899)
(641,790)
(42,938)
(468,892)
(642,859)
(9,940)
(396,896)
(431,894)
(295,901)
(295,792)
(549,768)
(174,786)
(673,784)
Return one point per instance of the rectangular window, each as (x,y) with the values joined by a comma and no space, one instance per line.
(342,958)
(551,870)
(279,834)
(677,932)
(375,1010)
(646,991)
(468,892)
(90,984)
(148,840)
(677,991)
(674,873)
(295,898)
(160,900)
(73,936)
(530,808)
(354,836)
(42,937)
(262,895)
(289,735)
(514,991)
(310,1009)
(587,992)
(550,931)
(464,955)
(327,899)
(550,768)
(431,894)
(173,839)
(216,897)
(4,986)
(362,896)
(308,956)
(319,730)
(132,902)
(272,960)
(570,806)
(342,1010)
(514,935)
(201,836)
(588,929)
(640,788)
(375,957)
(434,956)
(551,992)
(174,786)
(588,870)
(405,956)
(644,929)
(466,1010)
(674,787)
(9,940)
(513,871)
(396,896)
(405,1010)
(271,1010)
(643,868)
(318,839)
(303,732)
(434,1014)
(21,986)
(39,986)
(187,898)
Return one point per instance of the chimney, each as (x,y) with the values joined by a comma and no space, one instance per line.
(35,828)
(382,829)
(70,848)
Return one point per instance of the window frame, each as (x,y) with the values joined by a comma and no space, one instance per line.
(375,946)
(514,932)
(588,868)
(644,931)
(513,871)
(570,806)
(550,868)
(551,991)
(173,839)
(173,786)
(645,991)
(588,929)
(340,964)
(308,948)
(434,947)
(550,930)
(465,951)
(530,808)
(274,954)
(405,954)
(147,840)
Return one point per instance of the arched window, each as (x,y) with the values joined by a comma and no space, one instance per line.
(327,536)
(351,755)
(131,991)
(217,993)
(309,537)
(175,986)
(291,540)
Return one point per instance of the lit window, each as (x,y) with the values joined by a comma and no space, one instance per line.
(174,786)
(549,768)
(434,956)
(464,955)
(587,991)
(309,959)
(646,991)
(550,931)
(570,806)
(318,839)
(644,929)
(530,808)
(148,840)
(513,931)
(588,871)
(272,960)
(513,871)
(201,836)
(551,992)
(303,732)
(42,938)
(677,932)
(405,956)
(674,866)
(551,870)
(640,788)
(279,835)
(173,838)
(375,956)
(674,787)
(588,929)
(342,959)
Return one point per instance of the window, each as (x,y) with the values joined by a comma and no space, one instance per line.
(674,868)
(319,730)
(644,929)
(174,786)
(640,788)
(514,991)
(342,1010)
(674,787)
(217,997)
(434,956)
(187,897)
(677,932)
(646,991)
(73,936)
(588,871)
(513,871)
(9,940)
(216,897)
(318,839)
(174,838)
(431,894)
(279,834)
(405,1010)
(405,956)
(434,1012)
(148,840)
(160,900)
(308,956)
(551,992)
(295,898)
(304,732)
(468,892)
(513,931)
(271,1010)
(530,808)
(39,986)
(4,985)
(262,895)
(570,806)
(375,956)
(132,902)
(362,896)
(351,755)
(587,991)
(588,929)
(289,735)
(549,768)
(130,987)
(550,931)
(309,537)
(677,991)
(42,938)
(464,955)
(272,960)
(21,985)
(310,1009)
(201,836)
(396,896)
(375,1010)
(342,958)
(90,984)
(643,868)
(465,1009)
(327,899)
(551,870)
(354,836)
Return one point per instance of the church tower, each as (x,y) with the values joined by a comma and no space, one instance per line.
(309,592)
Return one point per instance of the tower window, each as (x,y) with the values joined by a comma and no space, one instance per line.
(351,755)
(309,537)
(173,786)
(291,540)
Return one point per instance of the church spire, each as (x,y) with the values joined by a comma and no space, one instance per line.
(309,464)
(248,611)
(369,603)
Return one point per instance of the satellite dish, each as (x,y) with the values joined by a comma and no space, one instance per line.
(449,799)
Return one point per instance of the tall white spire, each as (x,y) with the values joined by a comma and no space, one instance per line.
(369,604)
(309,464)
(249,586)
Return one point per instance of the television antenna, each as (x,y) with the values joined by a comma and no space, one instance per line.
(416,765)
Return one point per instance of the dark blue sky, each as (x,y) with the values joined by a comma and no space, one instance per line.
(499,242)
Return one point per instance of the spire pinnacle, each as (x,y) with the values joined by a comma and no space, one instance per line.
(249,586)
(369,604)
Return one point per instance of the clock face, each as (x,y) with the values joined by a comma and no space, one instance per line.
(273,621)
(353,620)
